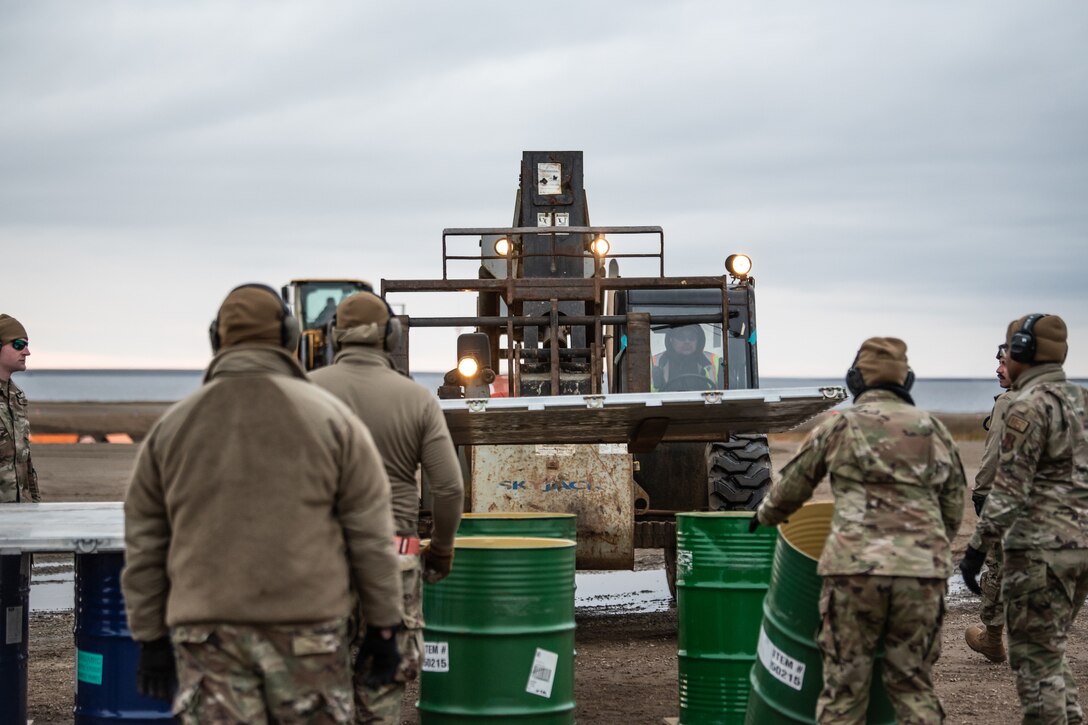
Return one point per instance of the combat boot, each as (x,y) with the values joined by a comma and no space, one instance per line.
(986,640)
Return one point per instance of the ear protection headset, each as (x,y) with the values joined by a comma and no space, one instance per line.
(855,383)
(391,333)
(289,329)
(1022,343)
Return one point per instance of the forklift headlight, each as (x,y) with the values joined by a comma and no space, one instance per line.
(503,246)
(738,265)
(599,246)
(468,367)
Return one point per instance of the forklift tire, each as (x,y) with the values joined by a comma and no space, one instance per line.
(738,472)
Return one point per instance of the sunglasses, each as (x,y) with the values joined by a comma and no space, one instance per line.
(19,344)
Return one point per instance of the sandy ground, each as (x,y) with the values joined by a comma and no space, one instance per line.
(626,666)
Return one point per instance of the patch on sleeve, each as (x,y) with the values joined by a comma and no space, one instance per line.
(1017,423)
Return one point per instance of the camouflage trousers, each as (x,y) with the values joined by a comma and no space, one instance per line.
(230,673)
(856,613)
(382,705)
(1044,590)
(992,609)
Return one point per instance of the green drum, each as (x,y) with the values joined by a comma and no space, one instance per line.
(722,574)
(788,673)
(499,634)
(542,524)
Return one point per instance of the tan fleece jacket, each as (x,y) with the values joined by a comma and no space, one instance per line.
(409,430)
(259,499)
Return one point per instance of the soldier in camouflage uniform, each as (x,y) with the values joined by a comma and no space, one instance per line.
(899,487)
(1037,511)
(18,479)
(258,510)
(985,638)
(410,432)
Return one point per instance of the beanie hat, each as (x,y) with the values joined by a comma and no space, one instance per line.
(882,360)
(1050,335)
(361,319)
(11,330)
(251,314)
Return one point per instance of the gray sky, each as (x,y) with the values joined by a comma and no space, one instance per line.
(911,169)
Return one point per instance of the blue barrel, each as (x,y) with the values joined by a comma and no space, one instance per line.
(14,633)
(106,654)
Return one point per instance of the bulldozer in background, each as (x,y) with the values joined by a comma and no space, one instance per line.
(313,303)
(562,398)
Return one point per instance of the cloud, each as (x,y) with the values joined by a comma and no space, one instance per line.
(919,167)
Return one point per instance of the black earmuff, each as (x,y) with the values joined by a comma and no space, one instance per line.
(855,383)
(1022,344)
(391,337)
(289,329)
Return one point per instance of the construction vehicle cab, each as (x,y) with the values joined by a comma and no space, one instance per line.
(313,303)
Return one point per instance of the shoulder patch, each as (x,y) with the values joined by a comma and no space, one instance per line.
(1017,423)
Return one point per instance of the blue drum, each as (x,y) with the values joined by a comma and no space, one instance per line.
(106,654)
(14,633)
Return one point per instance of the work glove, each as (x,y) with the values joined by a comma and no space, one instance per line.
(753,523)
(156,672)
(970,566)
(979,500)
(380,648)
(436,563)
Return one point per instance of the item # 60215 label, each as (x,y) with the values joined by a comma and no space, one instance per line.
(784,668)
(436,657)
(543,673)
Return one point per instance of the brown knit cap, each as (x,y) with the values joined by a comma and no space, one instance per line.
(883,360)
(1050,338)
(11,330)
(361,308)
(250,314)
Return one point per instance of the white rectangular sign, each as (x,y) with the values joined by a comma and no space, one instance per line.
(436,657)
(783,667)
(13,625)
(543,673)
(549,179)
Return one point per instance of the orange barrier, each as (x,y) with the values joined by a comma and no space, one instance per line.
(118,438)
(39,438)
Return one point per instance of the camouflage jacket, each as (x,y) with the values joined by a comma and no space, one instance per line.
(1040,494)
(984,480)
(898,485)
(18,479)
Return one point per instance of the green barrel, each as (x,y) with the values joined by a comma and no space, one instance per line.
(541,524)
(788,673)
(722,574)
(499,634)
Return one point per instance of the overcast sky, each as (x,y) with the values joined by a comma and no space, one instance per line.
(916,169)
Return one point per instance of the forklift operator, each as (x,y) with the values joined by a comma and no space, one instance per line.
(685,365)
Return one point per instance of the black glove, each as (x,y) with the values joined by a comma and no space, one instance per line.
(156,673)
(970,566)
(753,523)
(436,564)
(383,655)
(979,500)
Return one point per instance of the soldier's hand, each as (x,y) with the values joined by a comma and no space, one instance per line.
(753,523)
(970,566)
(380,648)
(156,673)
(979,500)
(436,564)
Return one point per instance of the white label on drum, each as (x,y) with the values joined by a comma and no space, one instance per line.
(784,668)
(13,625)
(436,656)
(543,673)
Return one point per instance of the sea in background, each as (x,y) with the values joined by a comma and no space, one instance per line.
(946,395)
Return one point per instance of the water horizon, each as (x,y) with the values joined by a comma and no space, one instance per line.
(166,385)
